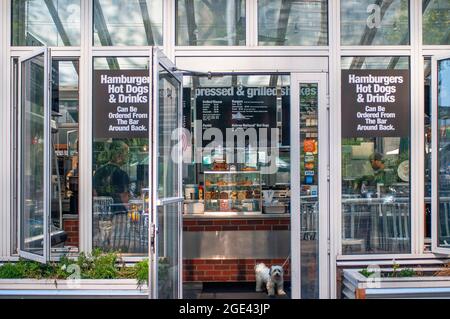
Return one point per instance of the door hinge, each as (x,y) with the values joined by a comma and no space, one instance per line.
(328,173)
(328,247)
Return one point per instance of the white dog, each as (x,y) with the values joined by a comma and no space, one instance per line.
(271,277)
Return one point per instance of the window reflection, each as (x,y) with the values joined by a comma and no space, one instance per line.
(135,23)
(435,23)
(120,176)
(46,22)
(294,22)
(375,183)
(427,151)
(443,100)
(168,123)
(210,22)
(65,156)
(371,22)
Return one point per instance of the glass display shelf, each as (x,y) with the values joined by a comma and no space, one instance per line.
(233,192)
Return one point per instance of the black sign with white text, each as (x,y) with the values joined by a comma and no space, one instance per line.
(121,103)
(238,107)
(375,103)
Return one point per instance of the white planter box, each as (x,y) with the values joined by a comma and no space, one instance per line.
(84,288)
(357,286)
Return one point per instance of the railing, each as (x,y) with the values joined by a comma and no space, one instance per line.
(120,227)
(376,224)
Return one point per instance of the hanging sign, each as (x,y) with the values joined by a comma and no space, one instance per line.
(375,103)
(238,107)
(121,103)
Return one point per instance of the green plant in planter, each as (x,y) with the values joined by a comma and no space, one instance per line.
(97,265)
(366,273)
(397,272)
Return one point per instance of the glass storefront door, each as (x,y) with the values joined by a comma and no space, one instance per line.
(136,203)
(34,156)
(309,202)
(441,163)
(166,230)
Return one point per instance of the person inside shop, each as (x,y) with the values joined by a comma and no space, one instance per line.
(112,181)
(367,184)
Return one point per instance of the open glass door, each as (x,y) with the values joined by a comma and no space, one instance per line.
(309,186)
(441,147)
(166,230)
(34,156)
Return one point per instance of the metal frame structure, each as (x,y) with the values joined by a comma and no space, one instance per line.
(159,59)
(46,158)
(282,55)
(435,161)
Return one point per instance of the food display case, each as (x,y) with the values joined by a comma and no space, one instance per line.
(233,192)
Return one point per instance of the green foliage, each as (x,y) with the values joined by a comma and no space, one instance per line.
(396,272)
(10,270)
(97,265)
(141,272)
(366,273)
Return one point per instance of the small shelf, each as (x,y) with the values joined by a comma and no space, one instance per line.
(239,192)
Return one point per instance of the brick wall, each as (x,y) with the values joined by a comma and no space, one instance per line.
(226,270)
(72,228)
(231,270)
(236,224)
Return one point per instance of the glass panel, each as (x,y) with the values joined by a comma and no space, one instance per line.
(15,163)
(367,22)
(210,22)
(120,159)
(293,22)
(64,185)
(32,143)
(46,22)
(169,112)
(375,165)
(435,23)
(427,152)
(242,184)
(443,100)
(309,190)
(137,23)
(168,261)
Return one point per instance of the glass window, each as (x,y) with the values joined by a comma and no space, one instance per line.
(46,22)
(65,172)
(293,22)
(427,151)
(33,145)
(168,123)
(309,189)
(135,23)
(443,111)
(210,22)
(375,155)
(373,22)
(436,21)
(120,159)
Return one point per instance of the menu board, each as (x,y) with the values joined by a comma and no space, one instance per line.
(238,107)
(121,103)
(375,103)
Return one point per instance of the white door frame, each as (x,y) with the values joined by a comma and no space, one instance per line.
(47,157)
(159,59)
(323,172)
(435,247)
